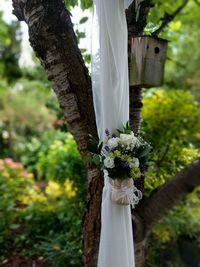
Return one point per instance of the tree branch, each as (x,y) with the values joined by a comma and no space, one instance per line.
(170,194)
(168,18)
(159,162)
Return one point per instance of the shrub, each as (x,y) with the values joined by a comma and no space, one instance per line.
(29,151)
(15,183)
(172,125)
(182,221)
(60,161)
(31,217)
(23,114)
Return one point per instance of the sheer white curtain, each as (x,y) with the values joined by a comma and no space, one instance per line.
(110,65)
(111,102)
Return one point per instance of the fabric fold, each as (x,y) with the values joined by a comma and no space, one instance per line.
(111,102)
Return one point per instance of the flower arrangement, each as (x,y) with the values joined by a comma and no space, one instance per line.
(123,155)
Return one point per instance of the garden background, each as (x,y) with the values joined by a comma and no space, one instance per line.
(42,176)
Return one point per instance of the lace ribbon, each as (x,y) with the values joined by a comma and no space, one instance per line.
(133,194)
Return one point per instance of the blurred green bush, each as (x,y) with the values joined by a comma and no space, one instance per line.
(53,156)
(172,122)
(23,114)
(61,160)
(172,125)
(39,220)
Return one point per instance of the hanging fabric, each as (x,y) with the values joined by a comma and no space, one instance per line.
(111,103)
(110,65)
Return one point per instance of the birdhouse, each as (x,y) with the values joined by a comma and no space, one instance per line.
(148,55)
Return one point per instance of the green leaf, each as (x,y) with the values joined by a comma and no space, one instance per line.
(96,160)
(87,159)
(80,34)
(100,147)
(92,145)
(83,20)
(143,151)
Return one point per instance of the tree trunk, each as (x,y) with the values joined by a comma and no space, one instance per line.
(135,109)
(140,248)
(139,239)
(92,219)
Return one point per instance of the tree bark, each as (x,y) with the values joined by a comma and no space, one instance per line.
(135,109)
(140,249)
(92,219)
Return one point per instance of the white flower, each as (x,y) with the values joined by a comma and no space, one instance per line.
(112,143)
(128,139)
(109,163)
(134,163)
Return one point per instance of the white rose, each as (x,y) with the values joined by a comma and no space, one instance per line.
(134,163)
(109,163)
(128,139)
(125,138)
(112,143)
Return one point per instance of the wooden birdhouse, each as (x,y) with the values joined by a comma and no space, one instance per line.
(148,55)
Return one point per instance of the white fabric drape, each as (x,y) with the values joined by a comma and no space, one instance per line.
(110,65)
(111,102)
(116,240)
